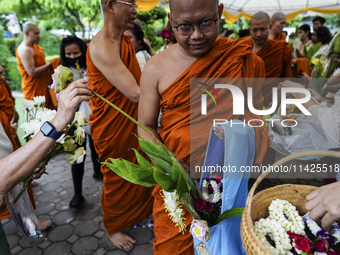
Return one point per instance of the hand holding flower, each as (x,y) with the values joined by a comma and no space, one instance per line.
(69,99)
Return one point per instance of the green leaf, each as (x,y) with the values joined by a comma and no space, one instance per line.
(153,150)
(132,172)
(164,180)
(233,212)
(182,185)
(141,160)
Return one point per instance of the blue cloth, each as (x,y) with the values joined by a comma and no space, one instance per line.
(237,151)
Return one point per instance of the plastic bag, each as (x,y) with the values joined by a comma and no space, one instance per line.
(238,151)
(22,212)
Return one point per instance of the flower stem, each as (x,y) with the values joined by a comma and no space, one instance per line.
(124,113)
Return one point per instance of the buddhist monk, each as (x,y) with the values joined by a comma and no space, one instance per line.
(114,73)
(278,22)
(8,115)
(35,72)
(165,84)
(277,55)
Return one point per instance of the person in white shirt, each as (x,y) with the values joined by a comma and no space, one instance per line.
(136,36)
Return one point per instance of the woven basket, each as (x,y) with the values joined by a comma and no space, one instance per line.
(257,206)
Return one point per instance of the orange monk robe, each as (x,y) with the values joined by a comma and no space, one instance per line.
(227,58)
(5,83)
(280,37)
(36,86)
(7,108)
(55,63)
(302,66)
(124,204)
(277,57)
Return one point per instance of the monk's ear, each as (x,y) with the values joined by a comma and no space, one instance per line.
(110,7)
(170,19)
(220,11)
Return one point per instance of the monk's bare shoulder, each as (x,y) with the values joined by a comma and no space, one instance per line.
(161,61)
(24,51)
(103,51)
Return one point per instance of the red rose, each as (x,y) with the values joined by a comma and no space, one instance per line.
(302,243)
(166,34)
(200,204)
(293,235)
(333,251)
(320,245)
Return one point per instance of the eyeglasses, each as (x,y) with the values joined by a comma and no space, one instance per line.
(132,5)
(205,26)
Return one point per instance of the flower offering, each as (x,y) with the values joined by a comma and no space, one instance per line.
(284,231)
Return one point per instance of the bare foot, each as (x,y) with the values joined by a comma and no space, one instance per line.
(44,224)
(34,183)
(121,240)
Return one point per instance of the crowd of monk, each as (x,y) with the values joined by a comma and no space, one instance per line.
(114,73)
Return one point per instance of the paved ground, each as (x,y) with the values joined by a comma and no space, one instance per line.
(82,231)
(73,231)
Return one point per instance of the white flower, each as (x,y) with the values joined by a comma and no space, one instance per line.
(27,105)
(44,114)
(173,206)
(78,156)
(31,128)
(39,100)
(80,119)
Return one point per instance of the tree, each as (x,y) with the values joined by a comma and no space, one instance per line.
(65,14)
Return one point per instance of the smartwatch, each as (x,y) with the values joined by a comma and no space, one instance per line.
(48,130)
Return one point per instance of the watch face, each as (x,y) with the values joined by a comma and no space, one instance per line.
(46,129)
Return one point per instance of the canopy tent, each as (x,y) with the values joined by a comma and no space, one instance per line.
(233,9)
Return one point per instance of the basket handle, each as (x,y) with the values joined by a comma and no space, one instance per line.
(335,154)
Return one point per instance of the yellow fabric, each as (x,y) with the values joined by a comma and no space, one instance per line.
(147,5)
(231,18)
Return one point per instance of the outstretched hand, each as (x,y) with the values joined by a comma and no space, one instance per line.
(324,205)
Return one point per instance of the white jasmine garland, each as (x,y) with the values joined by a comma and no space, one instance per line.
(287,215)
(311,224)
(212,198)
(283,217)
(276,232)
(172,205)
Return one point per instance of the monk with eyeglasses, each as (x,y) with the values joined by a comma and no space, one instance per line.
(165,84)
(114,73)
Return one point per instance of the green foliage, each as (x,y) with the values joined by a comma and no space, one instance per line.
(50,43)
(151,16)
(11,45)
(296,22)
(9,64)
(148,19)
(56,14)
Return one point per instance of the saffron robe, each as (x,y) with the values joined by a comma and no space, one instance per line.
(7,108)
(280,37)
(277,57)
(124,203)
(227,59)
(36,86)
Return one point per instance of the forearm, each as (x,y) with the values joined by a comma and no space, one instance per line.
(39,70)
(20,164)
(146,136)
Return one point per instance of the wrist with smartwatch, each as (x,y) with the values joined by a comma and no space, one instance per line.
(49,131)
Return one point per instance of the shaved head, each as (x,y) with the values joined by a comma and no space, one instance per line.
(28,26)
(259,16)
(278,15)
(171,2)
